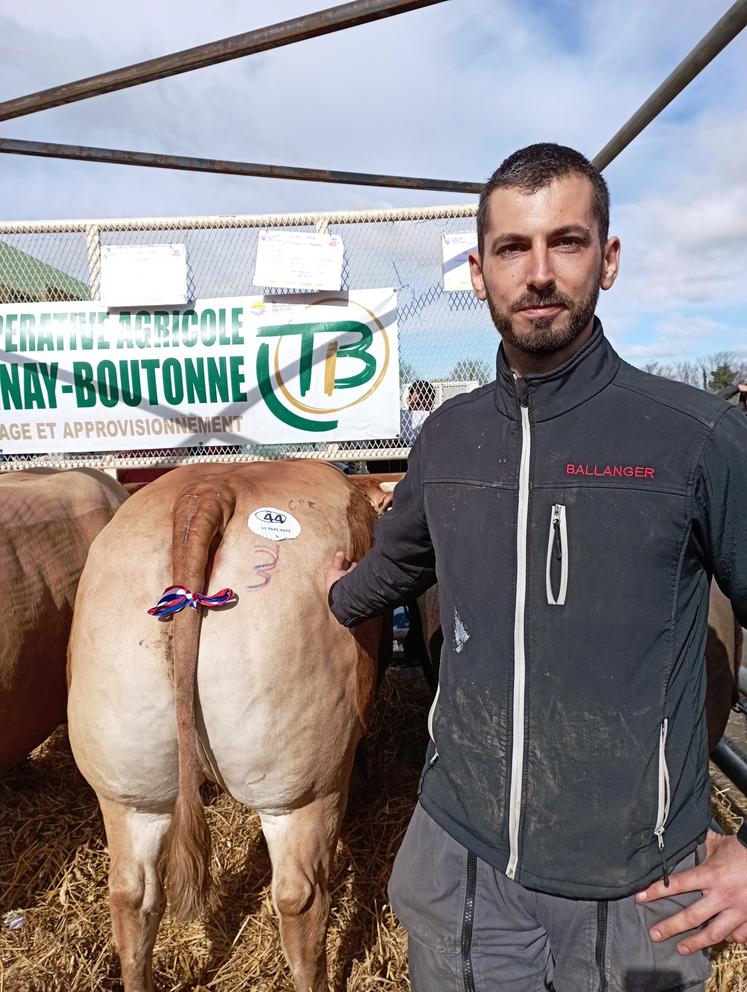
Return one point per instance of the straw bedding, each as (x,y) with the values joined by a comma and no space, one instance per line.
(54,923)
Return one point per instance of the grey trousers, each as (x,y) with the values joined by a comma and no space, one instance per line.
(471,929)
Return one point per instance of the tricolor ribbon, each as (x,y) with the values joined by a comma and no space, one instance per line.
(175,598)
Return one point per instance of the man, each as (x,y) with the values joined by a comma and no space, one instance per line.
(574,511)
(736,394)
(420,399)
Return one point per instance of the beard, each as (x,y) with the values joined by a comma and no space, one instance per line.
(543,338)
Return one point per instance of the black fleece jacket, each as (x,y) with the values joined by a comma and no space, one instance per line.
(574,520)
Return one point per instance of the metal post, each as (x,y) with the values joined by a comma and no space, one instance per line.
(704,52)
(321,22)
(118,156)
(731,760)
(93,255)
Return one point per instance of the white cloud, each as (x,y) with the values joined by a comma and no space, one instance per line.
(675,337)
(684,238)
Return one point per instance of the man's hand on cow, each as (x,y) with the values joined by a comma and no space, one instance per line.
(722,880)
(340,566)
(369,632)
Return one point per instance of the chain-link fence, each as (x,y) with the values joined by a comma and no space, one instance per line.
(445,338)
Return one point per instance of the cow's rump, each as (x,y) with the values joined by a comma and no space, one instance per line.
(48,520)
(267,694)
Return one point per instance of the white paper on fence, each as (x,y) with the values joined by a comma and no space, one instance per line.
(456,247)
(236,370)
(298,260)
(143,275)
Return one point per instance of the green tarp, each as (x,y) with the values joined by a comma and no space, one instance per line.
(24,278)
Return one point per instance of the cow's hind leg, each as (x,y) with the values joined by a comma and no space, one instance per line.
(136,899)
(302,845)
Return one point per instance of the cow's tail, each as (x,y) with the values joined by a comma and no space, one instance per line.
(200,518)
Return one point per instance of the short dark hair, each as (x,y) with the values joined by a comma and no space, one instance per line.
(423,390)
(536,166)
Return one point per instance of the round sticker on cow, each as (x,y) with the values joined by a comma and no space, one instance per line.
(274,524)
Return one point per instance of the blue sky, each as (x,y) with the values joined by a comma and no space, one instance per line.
(447,92)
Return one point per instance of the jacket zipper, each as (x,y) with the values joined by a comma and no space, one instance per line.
(557,544)
(468,919)
(517,753)
(601,948)
(664,798)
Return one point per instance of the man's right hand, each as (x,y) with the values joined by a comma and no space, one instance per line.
(340,566)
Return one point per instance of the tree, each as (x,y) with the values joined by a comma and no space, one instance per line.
(688,372)
(471,370)
(711,372)
(407,372)
(656,368)
(723,375)
(719,370)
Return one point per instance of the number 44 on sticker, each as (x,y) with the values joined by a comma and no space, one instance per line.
(274,524)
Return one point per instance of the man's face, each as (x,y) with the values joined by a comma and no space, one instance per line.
(419,401)
(542,264)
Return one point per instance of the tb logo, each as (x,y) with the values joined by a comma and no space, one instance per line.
(313,371)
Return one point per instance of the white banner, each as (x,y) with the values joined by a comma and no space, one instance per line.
(77,377)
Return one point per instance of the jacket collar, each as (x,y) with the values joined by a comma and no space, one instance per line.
(553,393)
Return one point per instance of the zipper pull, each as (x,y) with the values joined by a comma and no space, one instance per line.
(557,543)
(665,873)
(522,390)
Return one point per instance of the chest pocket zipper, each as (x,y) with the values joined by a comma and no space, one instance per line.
(557,549)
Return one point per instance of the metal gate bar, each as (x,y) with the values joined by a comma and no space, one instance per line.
(723,32)
(184,163)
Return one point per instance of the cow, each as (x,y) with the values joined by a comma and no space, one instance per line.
(723,659)
(266,695)
(48,520)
